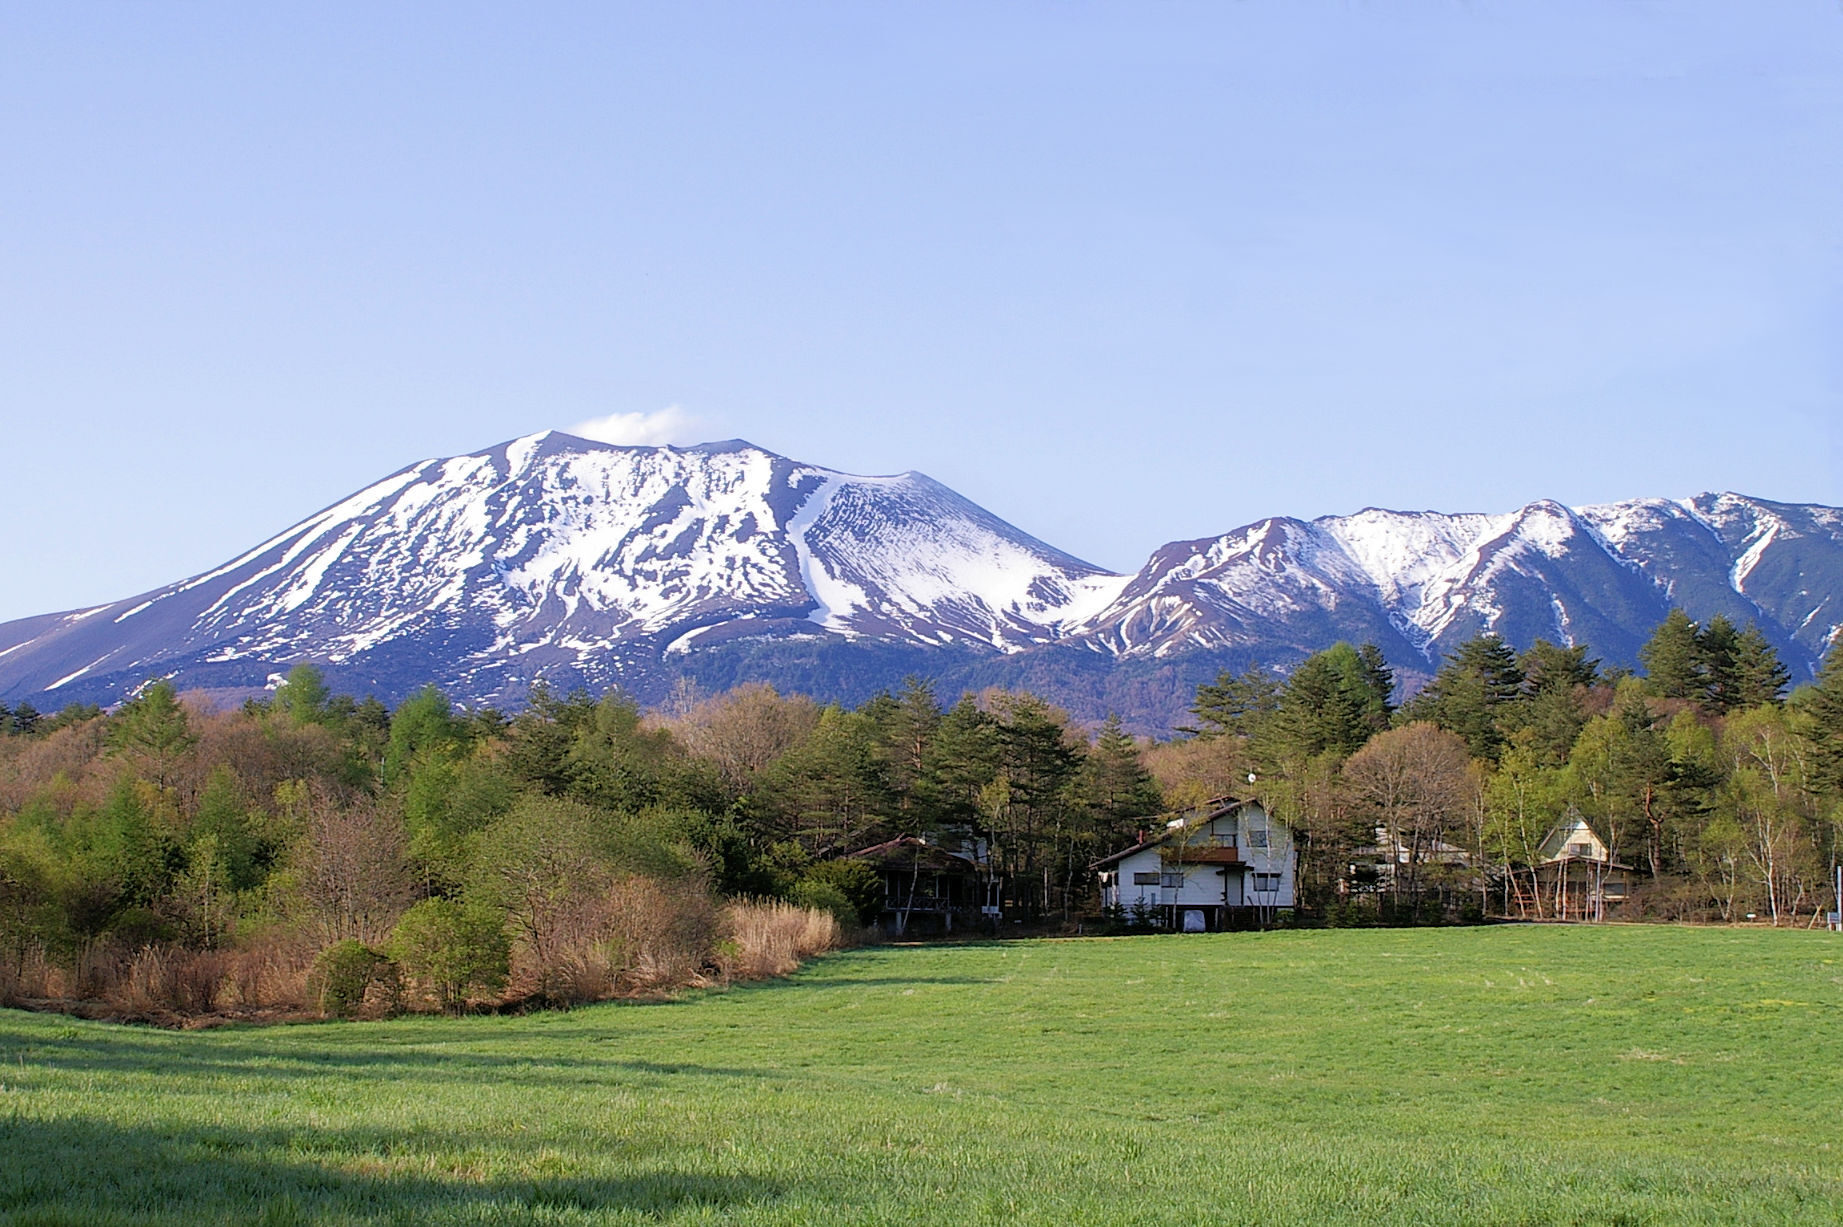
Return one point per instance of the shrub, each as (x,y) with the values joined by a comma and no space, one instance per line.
(452,947)
(344,973)
(856,881)
(823,897)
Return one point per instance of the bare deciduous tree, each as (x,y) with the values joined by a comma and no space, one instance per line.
(1417,782)
(353,868)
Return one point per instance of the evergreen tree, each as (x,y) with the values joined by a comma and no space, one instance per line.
(905,731)
(1673,659)
(1330,704)
(1717,648)
(303,696)
(1115,786)
(1759,676)
(1550,715)
(1820,721)
(25,719)
(1547,666)
(963,758)
(153,730)
(1375,680)
(1235,704)
(1473,693)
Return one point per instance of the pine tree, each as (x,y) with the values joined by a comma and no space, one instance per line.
(303,696)
(1235,704)
(1550,715)
(1717,648)
(1820,722)
(1472,694)
(154,730)
(1760,677)
(1672,659)
(1319,712)
(1547,666)
(25,719)
(1375,681)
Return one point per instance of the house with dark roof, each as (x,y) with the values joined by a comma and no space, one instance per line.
(1225,864)
(928,890)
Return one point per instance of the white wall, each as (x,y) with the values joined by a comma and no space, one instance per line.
(1205,885)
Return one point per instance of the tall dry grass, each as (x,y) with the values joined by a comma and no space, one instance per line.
(645,936)
(160,982)
(770,937)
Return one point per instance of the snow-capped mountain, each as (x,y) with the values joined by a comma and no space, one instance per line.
(578,563)
(1420,583)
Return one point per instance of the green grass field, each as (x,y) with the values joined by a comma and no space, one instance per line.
(1507,1075)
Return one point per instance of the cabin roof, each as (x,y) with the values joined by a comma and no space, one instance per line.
(1176,823)
(907,852)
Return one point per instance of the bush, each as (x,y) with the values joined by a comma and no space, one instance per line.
(823,897)
(344,973)
(452,947)
(856,881)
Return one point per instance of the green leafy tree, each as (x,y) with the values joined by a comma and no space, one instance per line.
(453,948)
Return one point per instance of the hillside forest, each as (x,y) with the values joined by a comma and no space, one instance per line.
(312,851)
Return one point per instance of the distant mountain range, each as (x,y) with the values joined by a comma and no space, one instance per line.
(580,563)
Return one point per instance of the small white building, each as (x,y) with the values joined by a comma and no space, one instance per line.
(1222,863)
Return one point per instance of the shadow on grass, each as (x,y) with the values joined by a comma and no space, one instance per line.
(258,1058)
(83,1171)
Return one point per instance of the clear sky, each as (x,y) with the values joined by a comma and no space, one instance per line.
(1121,273)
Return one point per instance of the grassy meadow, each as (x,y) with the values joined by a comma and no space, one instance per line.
(1496,1075)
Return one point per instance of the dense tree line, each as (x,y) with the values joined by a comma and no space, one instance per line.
(372,832)
(1701,774)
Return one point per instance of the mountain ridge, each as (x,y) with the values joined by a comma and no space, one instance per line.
(576,562)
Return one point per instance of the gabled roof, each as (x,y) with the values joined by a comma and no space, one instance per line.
(1175,824)
(906,852)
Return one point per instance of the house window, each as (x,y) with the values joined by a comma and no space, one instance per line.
(1147,879)
(1257,837)
(1266,882)
(1581,850)
(1173,881)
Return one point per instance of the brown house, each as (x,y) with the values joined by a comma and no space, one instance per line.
(928,890)
(1576,875)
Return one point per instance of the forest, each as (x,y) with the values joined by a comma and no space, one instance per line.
(311,851)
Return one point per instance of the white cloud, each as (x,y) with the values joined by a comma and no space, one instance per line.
(669,425)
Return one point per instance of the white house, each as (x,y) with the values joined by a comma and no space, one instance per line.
(1223,862)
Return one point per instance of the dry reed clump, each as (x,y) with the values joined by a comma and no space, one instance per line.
(646,935)
(770,937)
(161,982)
(27,975)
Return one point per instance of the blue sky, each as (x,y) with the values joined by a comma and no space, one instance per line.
(1122,273)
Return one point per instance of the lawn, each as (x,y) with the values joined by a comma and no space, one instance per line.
(1510,1075)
